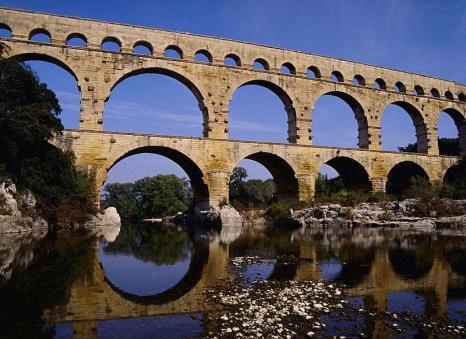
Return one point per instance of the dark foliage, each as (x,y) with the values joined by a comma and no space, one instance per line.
(447,146)
(29,119)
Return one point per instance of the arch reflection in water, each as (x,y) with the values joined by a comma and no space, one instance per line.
(146,260)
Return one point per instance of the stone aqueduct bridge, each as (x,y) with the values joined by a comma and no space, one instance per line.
(209,160)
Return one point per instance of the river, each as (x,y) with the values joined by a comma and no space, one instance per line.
(145,280)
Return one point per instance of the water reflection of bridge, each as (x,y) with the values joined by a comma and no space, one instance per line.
(93,298)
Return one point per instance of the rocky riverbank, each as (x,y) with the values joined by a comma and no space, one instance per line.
(407,214)
(18,212)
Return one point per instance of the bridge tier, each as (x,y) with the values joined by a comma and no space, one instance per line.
(210,160)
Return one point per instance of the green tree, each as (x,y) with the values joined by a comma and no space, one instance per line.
(29,118)
(149,197)
(447,146)
(236,180)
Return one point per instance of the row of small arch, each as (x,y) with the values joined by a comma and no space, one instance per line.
(173,51)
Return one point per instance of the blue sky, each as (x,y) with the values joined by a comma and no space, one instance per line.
(419,36)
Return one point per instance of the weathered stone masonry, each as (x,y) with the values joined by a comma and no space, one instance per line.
(209,160)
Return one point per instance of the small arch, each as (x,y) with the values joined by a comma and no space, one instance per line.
(5,31)
(434,92)
(40,35)
(336,76)
(203,56)
(380,83)
(313,72)
(232,60)
(282,173)
(462,97)
(261,65)
(111,44)
(449,95)
(288,68)
(399,177)
(173,52)
(143,48)
(76,40)
(400,87)
(352,173)
(359,80)
(418,90)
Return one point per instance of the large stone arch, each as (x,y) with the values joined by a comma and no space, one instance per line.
(359,114)
(399,176)
(354,175)
(195,173)
(284,95)
(419,123)
(460,122)
(55,60)
(174,74)
(283,173)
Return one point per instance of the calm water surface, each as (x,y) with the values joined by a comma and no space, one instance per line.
(144,281)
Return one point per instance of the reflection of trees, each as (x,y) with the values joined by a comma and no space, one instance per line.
(161,246)
(456,257)
(45,283)
(356,263)
(412,263)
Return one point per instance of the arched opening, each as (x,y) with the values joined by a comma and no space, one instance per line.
(335,111)
(61,80)
(313,72)
(449,95)
(434,92)
(252,185)
(261,65)
(341,174)
(412,263)
(76,40)
(452,174)
(260,110)
(232,60)
(288,68)
(462,97)
(283,176)
(359,80)
(173,52)
(143,48)
(400,87)
(336,76)
(400,177)
(157,101)
(403,129)
(5,31)
(451,130)
(40,35)
(148,162)
(203,56)
(418,90)
(111,44)
(380,84)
